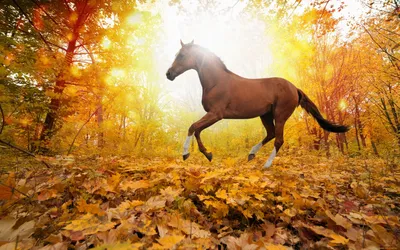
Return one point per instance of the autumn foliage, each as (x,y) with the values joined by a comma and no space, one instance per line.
(91,134)
(126,203)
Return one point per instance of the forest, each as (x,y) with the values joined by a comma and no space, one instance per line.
(92,131)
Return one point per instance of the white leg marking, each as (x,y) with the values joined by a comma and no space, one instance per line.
(255,149)
(270,159)
(186,145)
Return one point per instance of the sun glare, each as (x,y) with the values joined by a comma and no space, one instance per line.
(117,73)
(235,40)
(106,43)
(342,104)
(134,19)
(239,40)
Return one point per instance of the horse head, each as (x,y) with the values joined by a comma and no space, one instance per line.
(185,59)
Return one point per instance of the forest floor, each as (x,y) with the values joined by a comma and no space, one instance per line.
(127,203)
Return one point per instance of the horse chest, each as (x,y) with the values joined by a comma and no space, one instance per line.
(213,100)
(206,104)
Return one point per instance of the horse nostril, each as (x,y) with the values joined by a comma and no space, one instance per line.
(168,74)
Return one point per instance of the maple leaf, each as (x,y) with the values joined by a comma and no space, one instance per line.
(113,182)
(47,194)
(221,193)
(339,220)
(188,227)
(155,202)
(243,242)
(143,224)
(54,239)
(380,219)
(108,237)
(94,185)
(134,185)
(221,209)
(10,230)
(275,247)
(122,210)
(5,193)
(381,233)
(162,230)
(168,242)
(88,224)
(359,189)
(269,229)
(171,194)
(336,239)
(83,207)
(291,212)
(120,246)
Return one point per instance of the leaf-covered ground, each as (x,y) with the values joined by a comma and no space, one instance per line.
(126,203)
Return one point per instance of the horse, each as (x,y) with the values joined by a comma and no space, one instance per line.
(227,95)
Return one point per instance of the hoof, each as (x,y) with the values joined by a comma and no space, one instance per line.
(267,164)
(208,155)
(186,156)
(251,157)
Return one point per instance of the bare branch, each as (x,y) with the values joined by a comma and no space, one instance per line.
(80,129)
(14,189)
(30,21)
(391,57)
(26,152)
(3,119)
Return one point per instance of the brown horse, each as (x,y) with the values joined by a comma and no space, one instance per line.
(229,96)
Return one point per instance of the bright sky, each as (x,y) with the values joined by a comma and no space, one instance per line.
(240,41)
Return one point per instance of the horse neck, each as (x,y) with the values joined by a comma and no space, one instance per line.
(211,74)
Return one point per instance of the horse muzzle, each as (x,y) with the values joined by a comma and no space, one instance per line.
(170,75)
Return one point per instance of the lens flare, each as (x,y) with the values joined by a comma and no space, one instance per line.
(134,19)
(117,73)
(342,104)
(106,43)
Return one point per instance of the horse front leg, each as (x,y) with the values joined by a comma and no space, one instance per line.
(207,120)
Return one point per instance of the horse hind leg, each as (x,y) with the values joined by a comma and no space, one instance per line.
(268,123)
(202,149)
(279,125)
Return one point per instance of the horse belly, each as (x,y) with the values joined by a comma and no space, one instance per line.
(246,110)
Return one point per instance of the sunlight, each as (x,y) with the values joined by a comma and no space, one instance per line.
(342,104)
(229,38)
(117,73)
(239,40)
(75,72)
(134,19)
(106,43)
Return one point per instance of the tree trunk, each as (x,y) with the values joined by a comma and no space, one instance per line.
(49,124)
(55,102)
(100,119)
(340,137)
(374,148)
(356,133)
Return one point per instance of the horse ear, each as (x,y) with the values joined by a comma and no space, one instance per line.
(191,43)
(182,44)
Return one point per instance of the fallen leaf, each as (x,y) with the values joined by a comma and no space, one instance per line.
(9,233)
(154,203)
(5,193)
(170,241)
(221,193)
(83,207)
(134,185)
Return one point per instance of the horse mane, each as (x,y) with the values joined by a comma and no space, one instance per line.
(217,59)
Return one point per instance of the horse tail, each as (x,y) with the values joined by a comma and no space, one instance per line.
(312,109)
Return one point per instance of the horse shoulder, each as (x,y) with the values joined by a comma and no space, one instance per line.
(215,99)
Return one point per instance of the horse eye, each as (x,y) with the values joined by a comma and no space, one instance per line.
(180,56)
